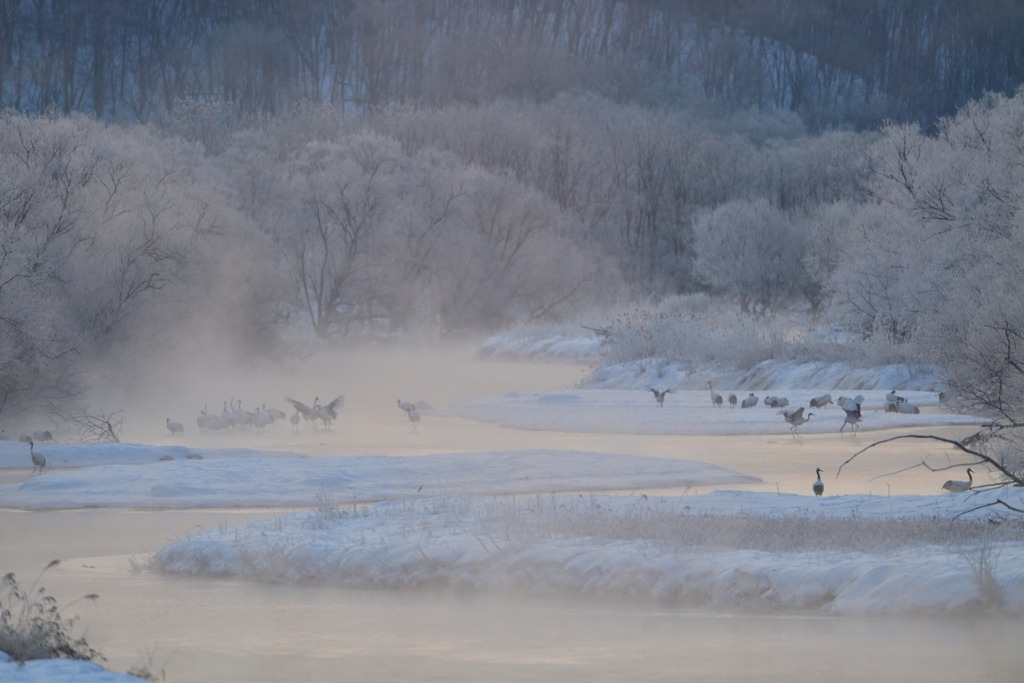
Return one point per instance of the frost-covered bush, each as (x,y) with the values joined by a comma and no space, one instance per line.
(720,338)
(31,626)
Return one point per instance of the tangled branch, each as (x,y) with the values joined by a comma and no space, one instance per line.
(93,427)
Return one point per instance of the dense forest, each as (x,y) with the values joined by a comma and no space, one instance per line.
(837,63)
(189,183)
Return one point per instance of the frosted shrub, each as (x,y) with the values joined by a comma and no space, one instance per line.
(326,510)
(1007,448)
(692,338)
(31,626)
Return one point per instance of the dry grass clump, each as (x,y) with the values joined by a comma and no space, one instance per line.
(31,626)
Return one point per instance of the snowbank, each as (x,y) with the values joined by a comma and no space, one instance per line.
(15,454)
(60,671)
(769,375)
(295,482)
(610,546)
(685,412)
(542,346)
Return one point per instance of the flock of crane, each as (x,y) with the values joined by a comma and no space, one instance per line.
(796,416)
(232,415)
(235,416)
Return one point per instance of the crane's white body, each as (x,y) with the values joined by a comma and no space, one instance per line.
(716,399)
(261,419)
(38,459)
(821,401)
(954,486)
(329,413)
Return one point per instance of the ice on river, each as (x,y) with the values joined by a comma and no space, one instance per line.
(616,411)
(621,546)
(295,482)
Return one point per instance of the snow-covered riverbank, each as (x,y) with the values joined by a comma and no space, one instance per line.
(845,555)
(276,482)
(60,671)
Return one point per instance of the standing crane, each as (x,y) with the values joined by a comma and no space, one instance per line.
(954,486)
(817,486)
(716,399)
(38,459)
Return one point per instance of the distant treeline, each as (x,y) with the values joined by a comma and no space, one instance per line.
(835,62)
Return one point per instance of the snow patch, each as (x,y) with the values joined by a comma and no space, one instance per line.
(295,482)
(60,671)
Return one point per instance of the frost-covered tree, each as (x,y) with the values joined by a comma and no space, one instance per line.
(333,244)
(939,257)
(753,251)
(117,248)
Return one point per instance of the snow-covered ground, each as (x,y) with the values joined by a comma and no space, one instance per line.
(769,375)
(543,345)
(59,671)
(686,550)
(15,454)
(686,412)
(295,482)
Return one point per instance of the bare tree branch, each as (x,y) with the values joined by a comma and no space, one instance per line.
(956,444)
(93,427)
(988,505)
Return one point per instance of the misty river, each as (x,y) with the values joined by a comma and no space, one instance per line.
(202,629)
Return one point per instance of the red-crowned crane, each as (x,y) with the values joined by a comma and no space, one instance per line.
(954,486)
